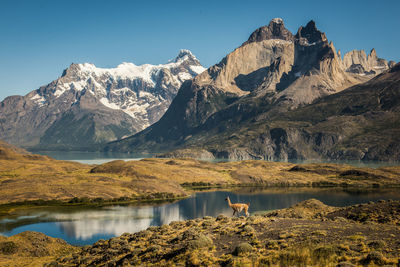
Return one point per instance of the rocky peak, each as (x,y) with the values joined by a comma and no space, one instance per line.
(395,67)
(183,53)
(310,35)
(357,62)
(73,69)
(392,64)
(186,56)
(275,30)
(313,49)
(372,54)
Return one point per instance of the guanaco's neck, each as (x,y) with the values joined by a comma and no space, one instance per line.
(229,202)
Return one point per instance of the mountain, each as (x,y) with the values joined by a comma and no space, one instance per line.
(88,105)
(359,123)
(357,61)
(271,75)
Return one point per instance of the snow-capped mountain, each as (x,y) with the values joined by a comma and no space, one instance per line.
(89,105)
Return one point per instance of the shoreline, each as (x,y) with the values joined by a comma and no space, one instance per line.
(30,177)
(9,209)
(307,233)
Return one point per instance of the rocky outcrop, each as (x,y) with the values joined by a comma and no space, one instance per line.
(275,30)
(358,62)
(88,105)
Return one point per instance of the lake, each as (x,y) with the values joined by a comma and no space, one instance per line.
(92,157)
(103,157)
(81,226)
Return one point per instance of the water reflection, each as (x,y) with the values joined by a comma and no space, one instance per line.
(93,157)
(116,221)
(79,226)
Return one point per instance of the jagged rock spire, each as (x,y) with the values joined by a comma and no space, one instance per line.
(275,30)
(310,34)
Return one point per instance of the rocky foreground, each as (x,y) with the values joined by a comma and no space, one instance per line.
(307,234)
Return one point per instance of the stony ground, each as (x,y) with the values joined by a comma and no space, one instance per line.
(307,234)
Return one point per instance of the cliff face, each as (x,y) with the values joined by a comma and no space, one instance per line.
(359,123)
(235,108)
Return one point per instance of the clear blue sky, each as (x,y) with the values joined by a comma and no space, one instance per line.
(38,39)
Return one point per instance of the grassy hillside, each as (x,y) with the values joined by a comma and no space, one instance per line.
(32,249)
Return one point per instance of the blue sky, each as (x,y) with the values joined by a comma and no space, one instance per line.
(38,39)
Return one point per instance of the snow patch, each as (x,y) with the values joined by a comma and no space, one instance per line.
(137,110)
(121,91)
(197,69)
(278,41)
(124,71)
(277,20)
(145,72)
(183,76)
(107,103)
(38,100)
(35,97)
(59,92)
(145,94)
(306,43)
(78,85)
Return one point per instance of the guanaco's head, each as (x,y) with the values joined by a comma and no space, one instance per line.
(226,199)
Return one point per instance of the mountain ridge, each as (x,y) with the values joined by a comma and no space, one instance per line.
(280,76)
(88,105)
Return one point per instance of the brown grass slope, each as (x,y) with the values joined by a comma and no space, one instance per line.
(32,249)
(26,177)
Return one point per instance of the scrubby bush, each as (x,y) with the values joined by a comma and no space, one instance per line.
(242,248)
(8,247)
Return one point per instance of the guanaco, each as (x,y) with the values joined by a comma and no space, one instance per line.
(238,207)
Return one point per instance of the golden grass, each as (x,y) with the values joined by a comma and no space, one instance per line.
(26,177)
(32,249)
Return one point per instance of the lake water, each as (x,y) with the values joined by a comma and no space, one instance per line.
(103,157)
(82,226)
(92,157)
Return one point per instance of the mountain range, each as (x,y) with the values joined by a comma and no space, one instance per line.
(88,105)
(280,96)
